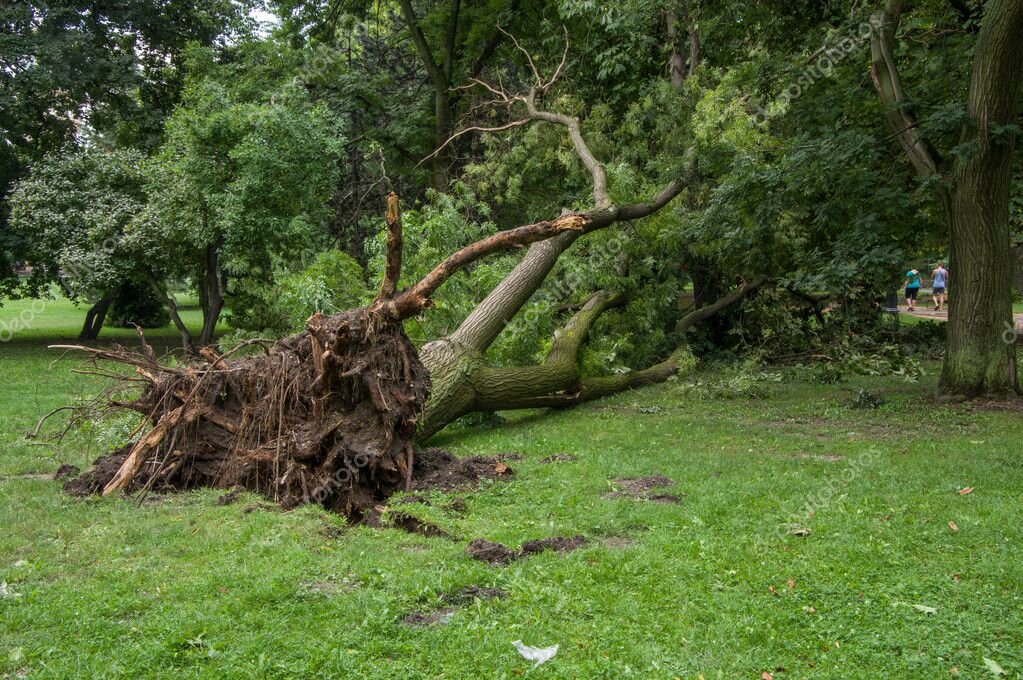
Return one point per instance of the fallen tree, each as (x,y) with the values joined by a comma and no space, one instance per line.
(330,415)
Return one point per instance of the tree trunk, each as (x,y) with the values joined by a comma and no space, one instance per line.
(211,294)
(978,360)
(95,317)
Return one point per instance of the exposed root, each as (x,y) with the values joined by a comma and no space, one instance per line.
(325,416)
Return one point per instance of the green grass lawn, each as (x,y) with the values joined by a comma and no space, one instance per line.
(713,585)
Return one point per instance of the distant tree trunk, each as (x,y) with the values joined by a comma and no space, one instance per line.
(978,360)
(211,294)
(95,317)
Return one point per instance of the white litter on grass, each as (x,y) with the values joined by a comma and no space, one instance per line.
(7,591)
(537,654)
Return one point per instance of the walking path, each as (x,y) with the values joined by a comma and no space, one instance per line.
(943,315)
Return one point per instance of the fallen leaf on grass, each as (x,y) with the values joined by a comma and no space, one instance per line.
(993,666)
(801,531)
(811,610)
(925,609)
(963,492)
(953,526)
(500,468)
(791,584)
(774,591)
(766,676)
(954,671)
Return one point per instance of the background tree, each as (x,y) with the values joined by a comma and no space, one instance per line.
(73,210)
(236,186)
(68,67)
(973,188)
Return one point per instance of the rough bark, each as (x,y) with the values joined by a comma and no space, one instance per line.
(974,194)
(979,360)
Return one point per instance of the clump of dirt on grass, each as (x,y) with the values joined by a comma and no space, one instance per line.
(642,488)
(442,471)
(493,554)
(66,471)
(498,554)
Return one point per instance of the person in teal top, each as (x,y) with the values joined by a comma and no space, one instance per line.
(912,288)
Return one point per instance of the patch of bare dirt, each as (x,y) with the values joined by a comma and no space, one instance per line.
(229,497)
(66,471)
(998,406)
(493,554)
(557,544)
(424,619)
(331,585)
(382,517)
(470,593)
(827,457)
(498,554)
(643,488)
(442,471)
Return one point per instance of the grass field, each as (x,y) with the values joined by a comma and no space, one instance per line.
(902,575)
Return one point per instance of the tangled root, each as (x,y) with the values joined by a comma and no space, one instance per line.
(326,416)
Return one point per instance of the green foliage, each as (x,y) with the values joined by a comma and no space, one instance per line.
(249,181)
(333,282)
(74,211)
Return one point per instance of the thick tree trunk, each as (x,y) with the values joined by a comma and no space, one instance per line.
(978,359)
(463,382)
(95,318)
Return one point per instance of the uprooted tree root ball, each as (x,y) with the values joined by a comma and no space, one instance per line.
(325,416)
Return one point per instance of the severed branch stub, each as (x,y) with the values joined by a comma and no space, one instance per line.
(392,271)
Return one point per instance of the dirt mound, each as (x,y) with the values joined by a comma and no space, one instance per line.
(103,469)
(492,553)
(498,554)
(557,544)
